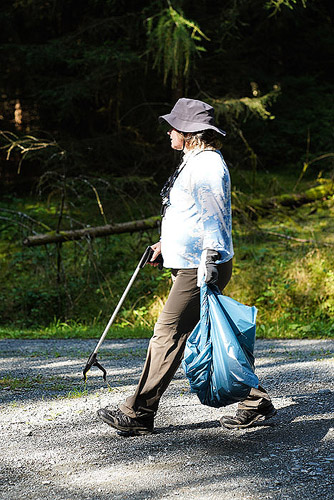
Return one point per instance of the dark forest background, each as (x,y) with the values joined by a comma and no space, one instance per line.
(82,84)
(95,75)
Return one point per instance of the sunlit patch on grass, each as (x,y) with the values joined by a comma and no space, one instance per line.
(290,281)
(77,393)
(11,383)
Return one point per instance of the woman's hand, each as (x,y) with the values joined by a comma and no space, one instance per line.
(157,251)
(207,271)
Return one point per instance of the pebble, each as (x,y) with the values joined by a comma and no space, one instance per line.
(189,457)
(324,391)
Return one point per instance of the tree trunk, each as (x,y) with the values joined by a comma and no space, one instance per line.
(92,232)
(292,199)
(255,206)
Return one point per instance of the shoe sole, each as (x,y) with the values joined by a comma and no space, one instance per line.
(259,418)
(137,431)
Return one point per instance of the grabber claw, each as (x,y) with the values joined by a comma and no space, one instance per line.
(92,361)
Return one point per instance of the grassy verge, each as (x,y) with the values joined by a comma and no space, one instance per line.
(284,265)
(67,331)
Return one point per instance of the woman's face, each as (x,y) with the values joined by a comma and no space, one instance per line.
(176,139)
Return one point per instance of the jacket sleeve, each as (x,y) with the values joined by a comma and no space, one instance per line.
(211,191)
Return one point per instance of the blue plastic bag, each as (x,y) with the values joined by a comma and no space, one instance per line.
(218,358)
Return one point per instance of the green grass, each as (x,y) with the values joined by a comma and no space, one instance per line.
(77,393)
(57,387)
(284,329)
(290,282)
(74,331)
(13,383)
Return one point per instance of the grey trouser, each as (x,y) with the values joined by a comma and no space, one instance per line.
(165,352)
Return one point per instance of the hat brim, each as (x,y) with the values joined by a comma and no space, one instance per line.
(184,126)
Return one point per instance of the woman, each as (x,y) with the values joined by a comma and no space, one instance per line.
(196,244)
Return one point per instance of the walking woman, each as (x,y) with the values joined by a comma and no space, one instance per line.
(196,244)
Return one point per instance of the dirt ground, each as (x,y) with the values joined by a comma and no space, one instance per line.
(55,447)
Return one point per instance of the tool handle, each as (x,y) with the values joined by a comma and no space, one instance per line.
(160,261)
(147,258)
(147,255)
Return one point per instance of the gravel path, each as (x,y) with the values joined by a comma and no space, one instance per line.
(54,446)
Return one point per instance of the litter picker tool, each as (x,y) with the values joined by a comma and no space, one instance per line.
(92,360)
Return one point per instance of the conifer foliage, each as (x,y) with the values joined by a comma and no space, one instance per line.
(94,75)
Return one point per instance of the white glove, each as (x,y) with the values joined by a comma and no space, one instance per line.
(207,271)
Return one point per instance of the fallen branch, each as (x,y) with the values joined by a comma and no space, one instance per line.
(92,232)
(254,206)
(293,199)
(293,238)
